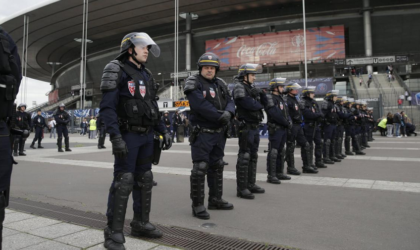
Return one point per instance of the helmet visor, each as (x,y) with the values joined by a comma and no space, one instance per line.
(251,68)
(335,92)
(142,40)
(293,86)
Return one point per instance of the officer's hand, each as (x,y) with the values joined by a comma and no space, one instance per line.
(225,118)
(167,141)
(119,148)
(255,92)
(25,133)
(290,125)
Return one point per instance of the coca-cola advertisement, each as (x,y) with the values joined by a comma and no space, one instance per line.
(280,47)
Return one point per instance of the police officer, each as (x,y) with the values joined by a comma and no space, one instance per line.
(102,133)
(295,134)
(313,118)
(357,148)
(211,110)
(365,124)
(342,117)
(248,100)
(10,76)
(349,127)
(278,122)
(23,122)
(39,125)
(166,121)
(176,122)
(330,125)
(371,122)
(62,118)
(131,115)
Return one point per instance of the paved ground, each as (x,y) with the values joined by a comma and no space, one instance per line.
(29,232)
(364,202)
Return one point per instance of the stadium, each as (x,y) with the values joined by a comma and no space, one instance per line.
(342,36)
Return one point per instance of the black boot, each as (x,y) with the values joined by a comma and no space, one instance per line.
(33,145)
(327,148)
(59,144)
(332,152)
(338,147)
(290,149)
(272,167)
(307,159)
(252,175)
(121,190)
(197,178)
(242,176)
(280,167)
(365,144)
(39,145)
(140,225)
(215,181)
(66,141)
(347,145)
(311,153)
(15,147)
(357,148)
(318,160)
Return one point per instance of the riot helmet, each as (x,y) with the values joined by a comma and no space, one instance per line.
(249,68)
(308,90)
(208,59)
(331,94)
(140,40)
(292,86)
(277,82)
(21,105)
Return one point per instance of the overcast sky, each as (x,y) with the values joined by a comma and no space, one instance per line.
(35,89)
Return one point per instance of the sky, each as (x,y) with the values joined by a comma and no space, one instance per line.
(35,89)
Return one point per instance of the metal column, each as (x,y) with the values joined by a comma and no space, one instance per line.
(368,32)
(188,42)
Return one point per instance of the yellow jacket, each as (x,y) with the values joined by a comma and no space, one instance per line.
(92,123)
(382,123)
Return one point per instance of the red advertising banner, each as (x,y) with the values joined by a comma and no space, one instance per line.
(280,47)
(53,96)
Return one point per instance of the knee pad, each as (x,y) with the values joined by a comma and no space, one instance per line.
(218,165)
(243,159)
(144,180)
(59,138)
(254,157)
(123,183)
(200,168)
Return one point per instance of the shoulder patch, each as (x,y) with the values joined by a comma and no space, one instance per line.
(110,75)
(239,91)
(190,84)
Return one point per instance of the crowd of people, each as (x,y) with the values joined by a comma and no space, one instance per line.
(396,125)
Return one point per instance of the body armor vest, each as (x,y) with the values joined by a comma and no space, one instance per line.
(282,105)
(254,116)
(294,110)
(139,109)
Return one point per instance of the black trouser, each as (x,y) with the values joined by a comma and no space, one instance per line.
(38,135)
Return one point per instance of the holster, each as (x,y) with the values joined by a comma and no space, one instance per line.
(194,134)
(157,149)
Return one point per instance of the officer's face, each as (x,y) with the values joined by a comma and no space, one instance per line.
(334,98)
(293,91)
(312,95)
(250,78)
(39,112)
(22,108)
(142,53)
(281,89)
(61,108)
(208,72)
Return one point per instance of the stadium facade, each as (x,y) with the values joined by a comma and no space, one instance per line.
(340,34)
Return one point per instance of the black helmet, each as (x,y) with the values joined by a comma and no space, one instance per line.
(292,86)
(330,94)
(138,39)
(308,90)
(208,59)
(341,99)
(21,105)
(249,68)
(62,105)
(276,82)
(38,110)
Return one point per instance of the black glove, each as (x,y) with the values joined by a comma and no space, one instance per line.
(119,148)
(167,141)
(255,92)
(290,125)
(225,118)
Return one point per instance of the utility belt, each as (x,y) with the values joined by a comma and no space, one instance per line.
(197,130)
(274,127)
(124,126)
(244,125)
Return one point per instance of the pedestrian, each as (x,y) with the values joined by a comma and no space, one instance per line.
(23,122)
(176,122)
(278,122)
(406,95)
(360,82)
(248,100)
(397,124)
(166,120)
(212,108)
(92,128)
(39,124)
(186,124)
(400,102)
(404,121)
(127,83)
(389,124)
(83,127)
(11,77)
(52,125)
(382,125)
(409,100)
(62,118)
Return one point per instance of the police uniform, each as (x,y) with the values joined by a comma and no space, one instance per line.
(313,118)
(102,133)
(23,122)
(131,115)
(167,121)
(248,100)
(211,109)
(349,127)
(62,118)
(10,77)
(176,122)
(342,117)
(357,148)
(371,121)
(39,124)
(365,125)
(295,134)
(278,122)
(330,124)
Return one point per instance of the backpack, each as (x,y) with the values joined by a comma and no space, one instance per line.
(9,77)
